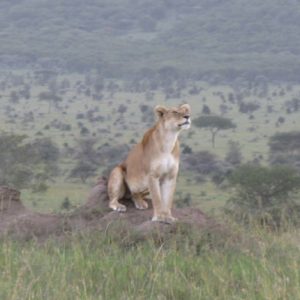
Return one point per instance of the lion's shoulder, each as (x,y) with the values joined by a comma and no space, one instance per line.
(147,136)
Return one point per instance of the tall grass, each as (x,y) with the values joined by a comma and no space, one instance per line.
(196,266)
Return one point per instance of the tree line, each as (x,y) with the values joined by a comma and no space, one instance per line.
(123,38)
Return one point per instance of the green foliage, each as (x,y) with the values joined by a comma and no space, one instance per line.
(13,156)
(23,164)
(40,187)
(234,154)
(285,142)
(44,150)
(285,148)
(248,107)
(265,194)
(213,122)
(66,204)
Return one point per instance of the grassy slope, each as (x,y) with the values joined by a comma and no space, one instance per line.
(194,267)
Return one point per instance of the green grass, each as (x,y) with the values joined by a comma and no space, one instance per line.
(205,195)
(195,267)
(52,199)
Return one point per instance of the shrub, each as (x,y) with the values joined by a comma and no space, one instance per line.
(248,107)
(264,195)
(205,163)
(234,154)
(66,204)
(24,164)
(285,149)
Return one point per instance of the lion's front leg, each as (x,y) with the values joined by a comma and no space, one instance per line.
(162,198)
(167,188)
(155,195)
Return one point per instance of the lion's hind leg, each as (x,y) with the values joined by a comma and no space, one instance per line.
(139,201)
(116,189)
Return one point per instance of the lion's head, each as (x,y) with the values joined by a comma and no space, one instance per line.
(174,118)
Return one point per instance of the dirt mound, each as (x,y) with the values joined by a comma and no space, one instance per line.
(19,222)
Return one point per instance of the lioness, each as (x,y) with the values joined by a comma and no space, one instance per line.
(152,165)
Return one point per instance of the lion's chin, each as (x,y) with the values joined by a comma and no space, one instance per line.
(185,125)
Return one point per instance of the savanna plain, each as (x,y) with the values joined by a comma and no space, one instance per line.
(85,124)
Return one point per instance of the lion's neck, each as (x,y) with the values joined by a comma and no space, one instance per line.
(167,139)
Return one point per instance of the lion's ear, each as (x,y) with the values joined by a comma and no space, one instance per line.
(186,107)
(160,110)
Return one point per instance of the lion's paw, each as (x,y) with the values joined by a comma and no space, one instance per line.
(164,219)
(141,204)
(118,207)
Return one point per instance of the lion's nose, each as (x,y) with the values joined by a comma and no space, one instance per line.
(186,117)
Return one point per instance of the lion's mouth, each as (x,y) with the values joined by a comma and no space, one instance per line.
(187,122)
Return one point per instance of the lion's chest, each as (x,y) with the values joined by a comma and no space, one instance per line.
(166,164)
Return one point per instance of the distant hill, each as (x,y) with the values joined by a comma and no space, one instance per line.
(124,38)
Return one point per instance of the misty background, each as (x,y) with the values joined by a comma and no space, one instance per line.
(125,39)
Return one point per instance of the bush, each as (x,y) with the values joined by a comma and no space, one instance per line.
(66,204)
(285,149)
(249,107)
(234,154)
(206,164)
(264,195)
(24,164)
(41,187)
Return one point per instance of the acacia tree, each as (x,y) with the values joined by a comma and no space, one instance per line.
(83,170)
(214,124)
(51,98)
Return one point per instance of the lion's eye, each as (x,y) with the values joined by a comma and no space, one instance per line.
(175,112)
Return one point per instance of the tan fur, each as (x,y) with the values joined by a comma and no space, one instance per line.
(152,165)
